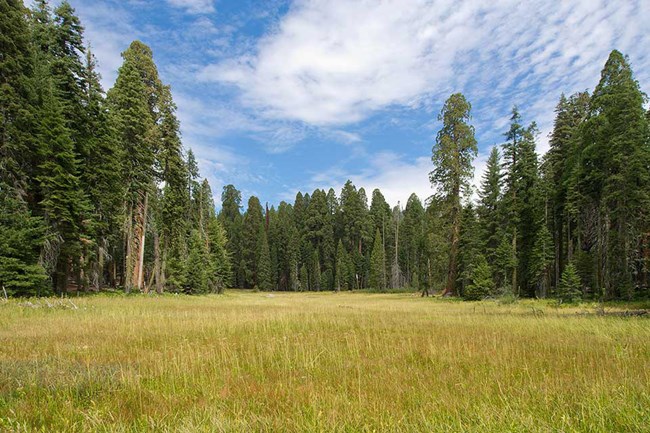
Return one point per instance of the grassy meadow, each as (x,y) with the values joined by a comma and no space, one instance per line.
(310,362)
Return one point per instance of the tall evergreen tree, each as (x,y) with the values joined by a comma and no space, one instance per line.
(252,243)
(63,203)
(412,238)
(133,118)
(520,204)
(453,153)
(231,219)
(16,98)
(616,173)
(564,166)
(488,210)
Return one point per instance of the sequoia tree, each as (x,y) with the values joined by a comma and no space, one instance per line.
(453,153)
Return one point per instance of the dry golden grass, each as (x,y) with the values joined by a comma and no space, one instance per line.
(311,362)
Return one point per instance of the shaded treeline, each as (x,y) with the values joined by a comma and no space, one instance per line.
(95,190)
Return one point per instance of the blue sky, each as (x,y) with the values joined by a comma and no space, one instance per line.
(278,96)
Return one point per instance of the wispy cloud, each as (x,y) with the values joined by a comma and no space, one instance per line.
(194,6)
(109,29)
(336,62)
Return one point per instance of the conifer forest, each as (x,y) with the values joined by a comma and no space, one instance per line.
(98,192)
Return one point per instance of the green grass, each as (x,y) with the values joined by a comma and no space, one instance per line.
(312,362)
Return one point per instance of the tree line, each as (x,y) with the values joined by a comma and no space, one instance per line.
(97,191)
(572,224)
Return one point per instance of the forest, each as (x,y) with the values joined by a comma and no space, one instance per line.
(97,192)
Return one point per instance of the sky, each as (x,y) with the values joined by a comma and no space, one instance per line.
(281,96)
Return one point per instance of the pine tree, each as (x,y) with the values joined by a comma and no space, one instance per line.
(435,258)
(62,203)
(453,153)
(173,171)
(381,216)
(470,246)
(17,120)
(520,203)
(197,261)
(488,210)
(412,237)
(100,179)
(318,229)
(569,289)
(251,243)
(542,261)
(378,264)
(231,219)
(133,119)
(481,283)
(65,57)
(564,166)
(21,238)
(616,173)
(505,263)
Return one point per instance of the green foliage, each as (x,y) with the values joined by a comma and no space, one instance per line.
(614,180)
(489,206)
(16,110)
(569,289)
(251,246)
(481,283)
(21,238)
(521,205)
(342,277)
(197,264)
(542,261)
(304,278)
(378,265)
(220,269)
(263,280)
(455,148)
(452,158)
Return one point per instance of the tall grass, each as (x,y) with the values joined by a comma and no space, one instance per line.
(319,362)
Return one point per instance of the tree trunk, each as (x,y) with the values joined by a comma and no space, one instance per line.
(452,271)
(143,229)
(157,267)
(515,287)
(128,253)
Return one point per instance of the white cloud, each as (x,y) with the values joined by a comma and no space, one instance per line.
(109,30)
(194,6)
(333,62)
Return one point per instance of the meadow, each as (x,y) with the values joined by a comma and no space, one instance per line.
(312,362)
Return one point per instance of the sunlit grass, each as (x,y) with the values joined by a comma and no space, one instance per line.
(320,362)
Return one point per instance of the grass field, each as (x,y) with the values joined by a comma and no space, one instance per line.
(319,362)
